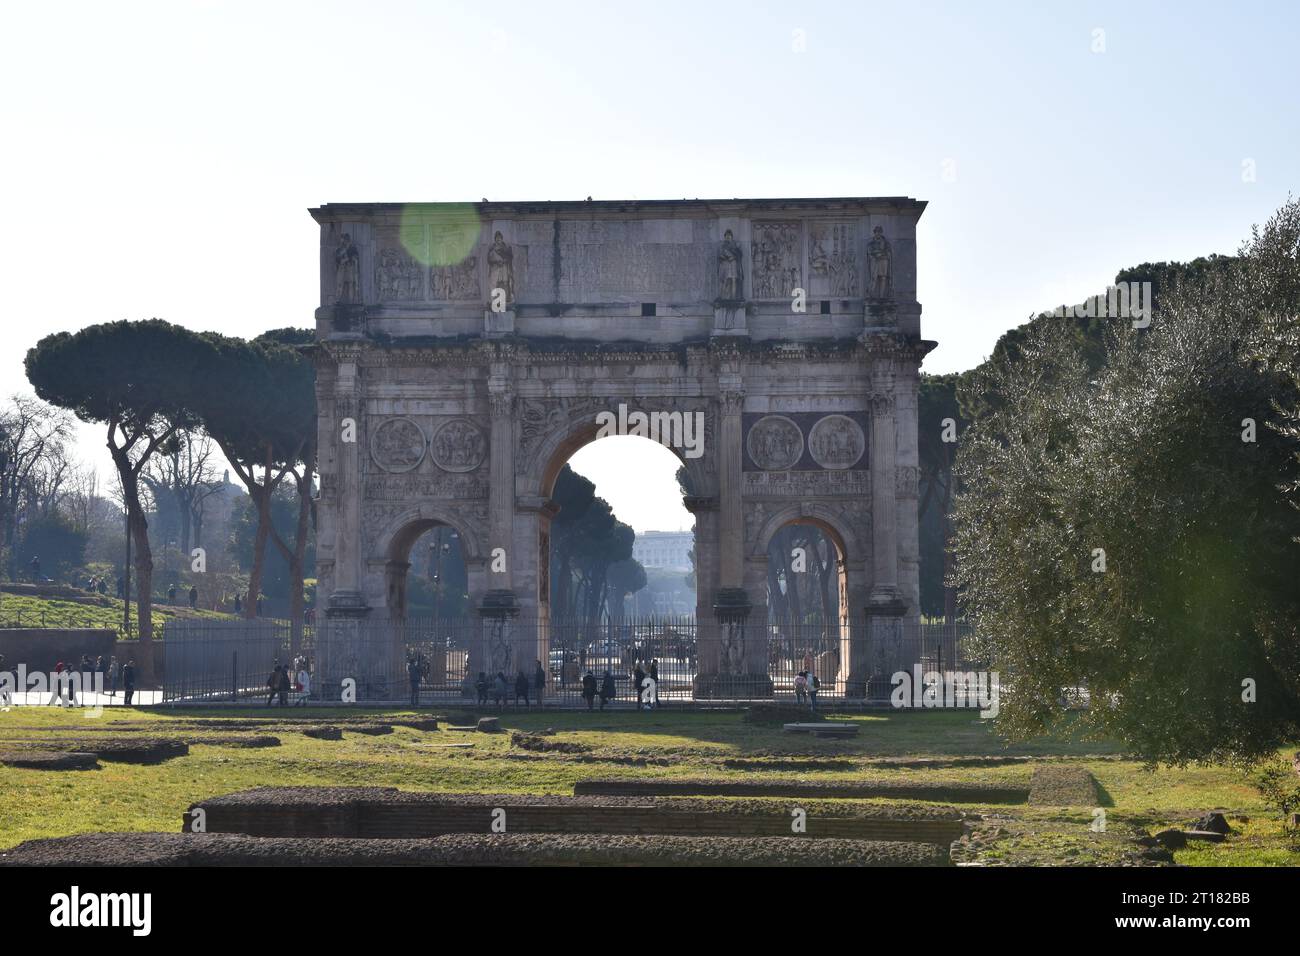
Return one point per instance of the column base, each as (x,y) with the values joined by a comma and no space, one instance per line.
(499,602)
(498,323)
(347,604)
(732,687)
(732,605)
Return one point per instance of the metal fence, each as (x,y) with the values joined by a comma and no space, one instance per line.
(438,661)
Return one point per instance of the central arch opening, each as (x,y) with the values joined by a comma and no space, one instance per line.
(617,575)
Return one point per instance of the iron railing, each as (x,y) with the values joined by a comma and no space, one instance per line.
(432,661)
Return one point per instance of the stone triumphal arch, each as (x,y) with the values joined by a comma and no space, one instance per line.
(466,351)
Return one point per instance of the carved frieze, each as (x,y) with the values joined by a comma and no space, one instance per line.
(458,283)
(775,443)
(836,442)
(908,479)
(832,259)
(406,487)
(397,445)
(776,259)
(806,484)
(397,276)
(459,446)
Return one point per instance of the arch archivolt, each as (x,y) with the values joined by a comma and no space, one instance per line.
(400,532)
(764,519)
(551,430)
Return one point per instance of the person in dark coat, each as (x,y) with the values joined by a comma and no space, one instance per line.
(521,688)
(607,689)
(539,681)
(413,675)
(589,689)
(273,684)
(171,594)
(239,604)
(194,597)
(499,688)
(128,682)
(286,684)
(481,687)
(638,679)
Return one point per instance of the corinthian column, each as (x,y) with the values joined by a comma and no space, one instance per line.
(501,501)
(884,504)
(347,600)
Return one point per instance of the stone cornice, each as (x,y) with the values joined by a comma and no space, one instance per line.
(621,208)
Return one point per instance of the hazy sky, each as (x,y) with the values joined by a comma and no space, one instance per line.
(159,158)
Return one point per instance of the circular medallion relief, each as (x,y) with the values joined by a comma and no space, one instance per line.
(459,445)
(775,443)
(397,445)
(836,442)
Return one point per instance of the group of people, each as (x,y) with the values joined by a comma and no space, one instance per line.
(194,595)
(293,677)
(64,689)
(806,686)
(98,584)
(645,687)
(499,686)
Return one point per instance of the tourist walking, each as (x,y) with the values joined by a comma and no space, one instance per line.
(114,672)
(286,682)
(800,687)
(521,689)
(814,685)
(654,682)
(128,683)
(638,679)
(607,689)
(273,684)
(589,689)
(304,683)
(194,596)
(413,675)
(60,685)
(481,688)
(36,569)
(239,604)
(500,689)
(171,594)
(539,681)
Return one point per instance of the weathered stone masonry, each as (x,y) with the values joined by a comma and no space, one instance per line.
(473,346)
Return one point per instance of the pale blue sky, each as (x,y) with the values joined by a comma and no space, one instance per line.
(159,158)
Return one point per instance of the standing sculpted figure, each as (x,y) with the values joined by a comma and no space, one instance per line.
(347,270)
(879,253)
(730,269)
(501,268)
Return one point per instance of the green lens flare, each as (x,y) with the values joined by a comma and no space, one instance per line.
(440,234)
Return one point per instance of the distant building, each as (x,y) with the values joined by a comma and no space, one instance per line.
(664,549)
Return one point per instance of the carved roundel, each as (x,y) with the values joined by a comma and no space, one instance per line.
(397,445)
(459,445)
(775,443)
(836,442)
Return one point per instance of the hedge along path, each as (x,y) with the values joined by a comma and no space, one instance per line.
(948,791)
(388,813)
(505,849)
(1063,786)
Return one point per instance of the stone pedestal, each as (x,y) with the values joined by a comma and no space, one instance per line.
(729,319)
(884,647)
(741,651)
(498,323)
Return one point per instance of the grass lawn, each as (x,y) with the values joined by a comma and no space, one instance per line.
(22,610)
(39,803)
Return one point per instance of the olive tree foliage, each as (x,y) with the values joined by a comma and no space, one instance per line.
(1121,527)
